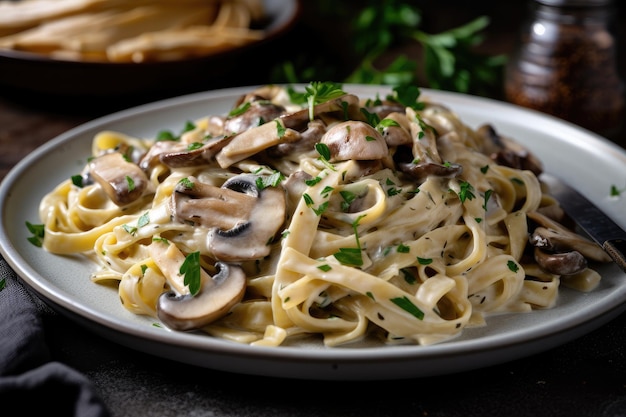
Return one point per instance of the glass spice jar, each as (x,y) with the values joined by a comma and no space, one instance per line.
(565,65)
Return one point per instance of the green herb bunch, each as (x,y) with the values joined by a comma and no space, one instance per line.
(384,36)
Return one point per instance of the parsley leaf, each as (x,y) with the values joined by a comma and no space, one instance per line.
(320,92)
(466,192)
(37,231)
(191,270)
(407,305)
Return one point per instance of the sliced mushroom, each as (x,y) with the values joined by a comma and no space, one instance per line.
(181,156)
(152,157)
(312,135)
(560,263)
(269,92)
(506,151)
(217,295)
(124,182)
(552,236)
(243,218)
(355,140)
(346,107)
(259,112)
(251,239)
(421,170)
(424,159)
(384,108)
(207,205)
(295,186)
(398,133)
(255,140)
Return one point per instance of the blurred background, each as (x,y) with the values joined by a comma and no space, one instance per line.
(452,45)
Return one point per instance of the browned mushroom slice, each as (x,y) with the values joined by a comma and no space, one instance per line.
(420,171)
(182,156)
(355,140)
(217,295)
(312,135)
(346,107)
(251,239)
(424,159)
(560,263)
(242,217)
(506,151)
(385,108)
(123,181)
(255,140)
(268,92)
(253,114)
(553,236)
(397,133)
(152,157)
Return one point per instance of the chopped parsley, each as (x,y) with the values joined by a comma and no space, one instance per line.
(488,194)
(615,192)
(407,305)
(130,182)
(77,180)
(37,231)
(351,256)
(402,248)
(272,180)
(143,220)
(424,261)
(187,183)
(191,270)
(312,181)
(385,123)
(408,96)
(280,129)
(131,230)
(239,110)
(165,135)
(466,192)
(195,145)
(348,198)
(309,202)
(323,150)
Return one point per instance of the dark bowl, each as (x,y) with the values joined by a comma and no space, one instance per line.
(36,76)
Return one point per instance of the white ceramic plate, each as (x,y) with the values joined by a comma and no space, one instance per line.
(591,163)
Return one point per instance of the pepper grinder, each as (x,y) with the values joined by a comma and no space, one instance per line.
(565,65)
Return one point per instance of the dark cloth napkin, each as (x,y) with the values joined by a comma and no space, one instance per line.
(30,380)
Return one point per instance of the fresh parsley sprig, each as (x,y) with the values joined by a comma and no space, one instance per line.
(321,92)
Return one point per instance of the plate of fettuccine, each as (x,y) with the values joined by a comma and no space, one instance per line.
(318,232)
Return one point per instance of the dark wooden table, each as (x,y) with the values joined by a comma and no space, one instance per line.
(585,377)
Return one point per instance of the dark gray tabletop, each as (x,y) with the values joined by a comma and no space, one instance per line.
(586,377)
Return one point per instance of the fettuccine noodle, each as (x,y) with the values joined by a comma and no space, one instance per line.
(353,218)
